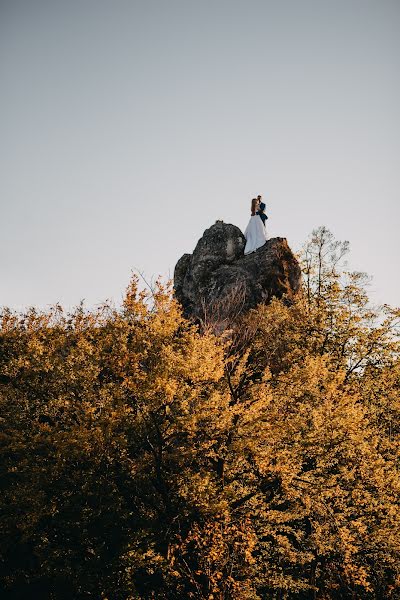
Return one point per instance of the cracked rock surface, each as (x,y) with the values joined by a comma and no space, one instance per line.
(218,282)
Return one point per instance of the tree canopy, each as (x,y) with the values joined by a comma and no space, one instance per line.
(143,457)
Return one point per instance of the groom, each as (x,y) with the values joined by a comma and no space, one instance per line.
(261,210)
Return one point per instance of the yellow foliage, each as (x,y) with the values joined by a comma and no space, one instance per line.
(143,458)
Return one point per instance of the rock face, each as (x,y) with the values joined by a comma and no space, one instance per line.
(217,282)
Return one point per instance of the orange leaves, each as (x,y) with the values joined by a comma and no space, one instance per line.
(154,461)
(217,559)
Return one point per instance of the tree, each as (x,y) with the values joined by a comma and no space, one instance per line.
(142,457)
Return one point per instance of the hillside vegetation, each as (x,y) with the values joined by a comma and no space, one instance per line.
(145,457)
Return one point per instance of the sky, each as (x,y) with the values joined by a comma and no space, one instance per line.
(129,127)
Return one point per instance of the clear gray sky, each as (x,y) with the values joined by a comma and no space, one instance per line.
(128,127)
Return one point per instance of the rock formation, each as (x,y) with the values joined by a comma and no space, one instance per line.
(218,282)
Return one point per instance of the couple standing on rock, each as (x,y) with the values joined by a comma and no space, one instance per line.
(256,233)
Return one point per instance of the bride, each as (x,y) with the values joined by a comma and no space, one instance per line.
(255,233)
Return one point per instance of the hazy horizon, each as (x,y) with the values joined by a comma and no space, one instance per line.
(128,128)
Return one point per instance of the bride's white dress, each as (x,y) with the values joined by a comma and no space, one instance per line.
(255,234)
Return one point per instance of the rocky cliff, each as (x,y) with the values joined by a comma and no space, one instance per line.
(218,282)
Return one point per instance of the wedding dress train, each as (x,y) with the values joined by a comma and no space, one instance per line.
(255,234)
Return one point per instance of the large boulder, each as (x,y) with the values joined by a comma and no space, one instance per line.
(217,282)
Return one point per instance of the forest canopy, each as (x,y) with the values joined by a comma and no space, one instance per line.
(145,457)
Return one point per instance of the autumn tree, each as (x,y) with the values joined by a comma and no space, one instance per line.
(145,457)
